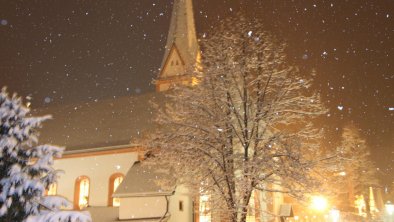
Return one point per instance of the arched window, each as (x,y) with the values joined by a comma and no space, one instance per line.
(114,182)
(52,190)
(81,195)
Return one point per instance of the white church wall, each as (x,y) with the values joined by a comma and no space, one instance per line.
(156,207)
(98,169)
(142,207)
(186,213)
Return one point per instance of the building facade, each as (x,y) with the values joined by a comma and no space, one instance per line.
(103,174)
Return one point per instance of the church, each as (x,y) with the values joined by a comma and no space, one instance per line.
(102,161)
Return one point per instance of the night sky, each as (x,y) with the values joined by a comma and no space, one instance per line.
(65,52)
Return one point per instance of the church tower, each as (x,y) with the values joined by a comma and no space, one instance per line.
(181,52)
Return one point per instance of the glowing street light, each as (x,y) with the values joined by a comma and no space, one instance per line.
(334,215)
(319,203)
(389,208)
(389,215)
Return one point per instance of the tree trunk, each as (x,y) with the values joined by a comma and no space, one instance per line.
(243,215)
(245,204)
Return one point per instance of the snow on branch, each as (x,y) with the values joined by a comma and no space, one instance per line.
(248,124)
(26,169)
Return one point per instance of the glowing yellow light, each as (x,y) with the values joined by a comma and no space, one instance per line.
(319,203)
(195,81)
(117,181)
(360,205)
(389,208)
(52,189)
(83,193)
(343,173)
(334,215)
(198,66)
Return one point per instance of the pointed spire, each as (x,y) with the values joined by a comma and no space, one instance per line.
(181,51)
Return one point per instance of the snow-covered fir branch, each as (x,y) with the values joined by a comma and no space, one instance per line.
(26,169)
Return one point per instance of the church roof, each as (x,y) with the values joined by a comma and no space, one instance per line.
(143,179)
(119,121)
(105,123)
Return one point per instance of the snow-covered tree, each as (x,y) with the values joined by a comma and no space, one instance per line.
(246,126)
(360,171)
(26,169)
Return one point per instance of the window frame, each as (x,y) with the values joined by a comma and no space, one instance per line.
(77,191)
(111,184)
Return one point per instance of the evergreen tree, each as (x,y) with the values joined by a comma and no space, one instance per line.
(26,168)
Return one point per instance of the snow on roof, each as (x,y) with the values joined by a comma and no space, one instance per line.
(105,123)
(143,179)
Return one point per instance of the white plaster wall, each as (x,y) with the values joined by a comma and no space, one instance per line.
(181,194)
(142,207)
(98,169)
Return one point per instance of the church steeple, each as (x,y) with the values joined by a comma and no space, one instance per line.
(181,51)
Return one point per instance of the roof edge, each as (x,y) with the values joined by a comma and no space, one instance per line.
(98,149)
(150,194)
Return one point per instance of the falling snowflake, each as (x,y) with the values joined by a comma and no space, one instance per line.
(3,22)
(47,100)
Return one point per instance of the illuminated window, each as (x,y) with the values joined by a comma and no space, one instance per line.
(205,209)
(114,181)
(116,201)
(52,190)
(83,193)
(81,196)
(360,205)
